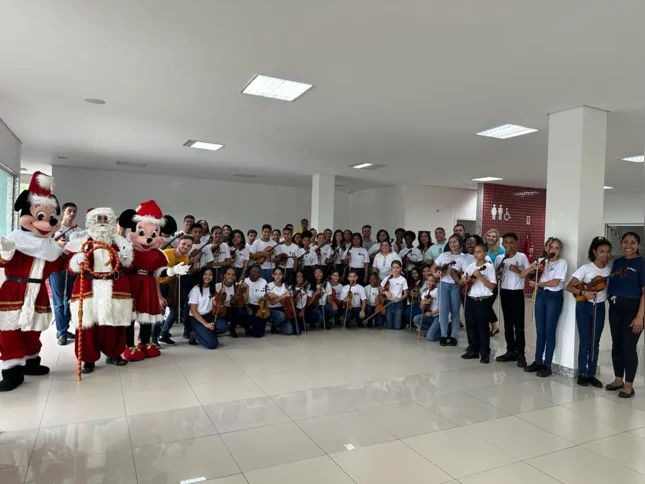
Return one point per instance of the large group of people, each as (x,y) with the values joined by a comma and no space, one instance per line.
(217,280)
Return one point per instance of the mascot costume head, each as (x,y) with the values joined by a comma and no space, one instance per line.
(38,208)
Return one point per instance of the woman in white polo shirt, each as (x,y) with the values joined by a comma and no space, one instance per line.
(202,321)
(383,260)
(444,269)
(599,253)
(358,258)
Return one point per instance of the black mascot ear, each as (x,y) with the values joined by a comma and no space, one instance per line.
(170,227)
(22,202)
(58,212)
(125,219)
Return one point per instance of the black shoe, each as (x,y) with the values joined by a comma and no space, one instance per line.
(594,382)
(624,394)
(191,340)
(165,339)
(70,335)
(11,378)
(62,340)
(274,330)
(469,356)
(544,371)
(443,341)
(34,368)
(117,360)
(329,326)
(360,325)
(582,381)
(88,368)
(186,334)
(493,333)
(506,357)
(521,361)
(154,340)
(612,387)
(370,324)
(234,334)
(485,359)
(452,342)
(533,367)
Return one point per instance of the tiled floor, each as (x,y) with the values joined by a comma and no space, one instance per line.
(359,406)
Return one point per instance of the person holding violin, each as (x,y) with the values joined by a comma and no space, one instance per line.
(317,300)
(429,306)
(590,325)
(220,250)
(480,280)
(395,290)
(384,259)
(626,312)
(256,290)
(262,252)
(372,293)
(443,268)
(240,255)
(354,299)
(551,272)
(307,257)
(509,267)
(494,248)
(286,254)
(301,295)
(413,307)
(204,327)
(335,260)
(323,252)
(333,301)
(410,255)
(222,307)
(358,259)
(279,297)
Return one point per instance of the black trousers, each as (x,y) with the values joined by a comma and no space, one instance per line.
(145,331)
(624,355)
(513,309)
(493,316)
(257,325)
(361,274)
(477,329)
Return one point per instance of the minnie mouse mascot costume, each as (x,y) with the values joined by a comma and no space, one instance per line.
(149,264)
(29,255)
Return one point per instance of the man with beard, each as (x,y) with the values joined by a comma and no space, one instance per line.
(107,303)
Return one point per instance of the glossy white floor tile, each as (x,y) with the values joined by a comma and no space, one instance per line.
(357,406)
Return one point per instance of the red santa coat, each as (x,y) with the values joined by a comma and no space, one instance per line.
(106,302)
(25,305)
(146,266)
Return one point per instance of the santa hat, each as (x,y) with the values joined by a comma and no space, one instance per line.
(40,190)
(149,212)
(93,213)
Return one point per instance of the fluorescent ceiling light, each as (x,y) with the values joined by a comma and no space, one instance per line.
(486,179)
(608,188)
(94,100)
(635,159)
(132,163)
(360,166)
(506,131)
(203,145)
(275,88)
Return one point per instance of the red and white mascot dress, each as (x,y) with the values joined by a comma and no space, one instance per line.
(107,303)
(149,263)
(29,255)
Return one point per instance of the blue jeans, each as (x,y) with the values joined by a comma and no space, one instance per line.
(379,319)
(394,315)
(354,313)
(206,337)
(313,316)
(267,275)
(61,296)
(584,317)
(430,322)
(450,302)
(548,306)
(329,313)
(279,320)
(411,312)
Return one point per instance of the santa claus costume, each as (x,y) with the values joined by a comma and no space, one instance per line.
(107,301)
(29,255)
(149,263)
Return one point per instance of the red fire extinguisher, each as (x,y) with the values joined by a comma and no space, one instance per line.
(528,247)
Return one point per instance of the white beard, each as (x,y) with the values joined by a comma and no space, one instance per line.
(102,232)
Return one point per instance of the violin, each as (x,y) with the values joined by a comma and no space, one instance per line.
(446,267)
(500,270)
(263,305)
(288,308)
(470,280)
(169,243)
(269,249)
(316,296)
(333,300)
(198,250)
(427,300)
(349,299)
(64,234)
(241,292)
(380,299)
(219,302)
(333,255)
(597,284)
(216,250)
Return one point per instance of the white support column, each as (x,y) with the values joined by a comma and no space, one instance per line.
(574,202)
(323,190)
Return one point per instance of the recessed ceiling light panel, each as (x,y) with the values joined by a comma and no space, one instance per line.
(608,188)
(366,166)
(61,157)
(506,131)
(203,145)
(486,179)
(94,100)
(132,164)
(635,159)
(360,166)
(275,88)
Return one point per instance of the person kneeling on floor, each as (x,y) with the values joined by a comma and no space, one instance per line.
(204,326)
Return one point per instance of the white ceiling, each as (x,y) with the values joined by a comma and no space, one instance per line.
(401,83)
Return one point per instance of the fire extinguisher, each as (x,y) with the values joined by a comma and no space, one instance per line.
(528,247)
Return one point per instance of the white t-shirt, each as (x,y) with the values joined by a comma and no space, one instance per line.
(555,270)
(396,247)
(308,256)
(248,247)
(258,246)
(338,289)
(325,290)
(207,255)
(224,253)
(587,272)
(325,252)
(230,292)
(384,264)
(464,260)
(339,255)
(292,250)
(374,249)
(511,280)
(302,300)
(241,256)
(447,258)
(358,295)
(256,290)
(478,289)
(414,255)
(358,257)
(397,285)
(277,291)
(371,293)
(202,297)
(434,294)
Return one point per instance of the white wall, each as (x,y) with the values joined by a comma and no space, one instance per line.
(429,207)
(243,205)
(9,149)
(382,208)
(624,208)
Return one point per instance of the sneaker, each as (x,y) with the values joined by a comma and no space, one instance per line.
(191,340)
(186,334)
(521,361)
(506,357)
(544,371)
(155,341)
(165,339)
(443,341)
(62,339)
(533,367)
(582,381)
(469,356)
(485,359)
(594,382)
(452,342)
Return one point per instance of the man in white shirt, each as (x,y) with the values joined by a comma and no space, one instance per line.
(286,254)
(262,252)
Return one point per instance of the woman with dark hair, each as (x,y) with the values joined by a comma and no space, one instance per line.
(338,250)
(279,297)
(383,260)
(206,231)
(444,270)
(358,258)
(204,327)
(425,242)
(590,325)
(414,289)
(347,238)
(626,312)
(226,233)
(238,250)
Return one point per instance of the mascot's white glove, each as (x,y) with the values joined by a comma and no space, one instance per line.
(7,248)
(78,258)
(180,269)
